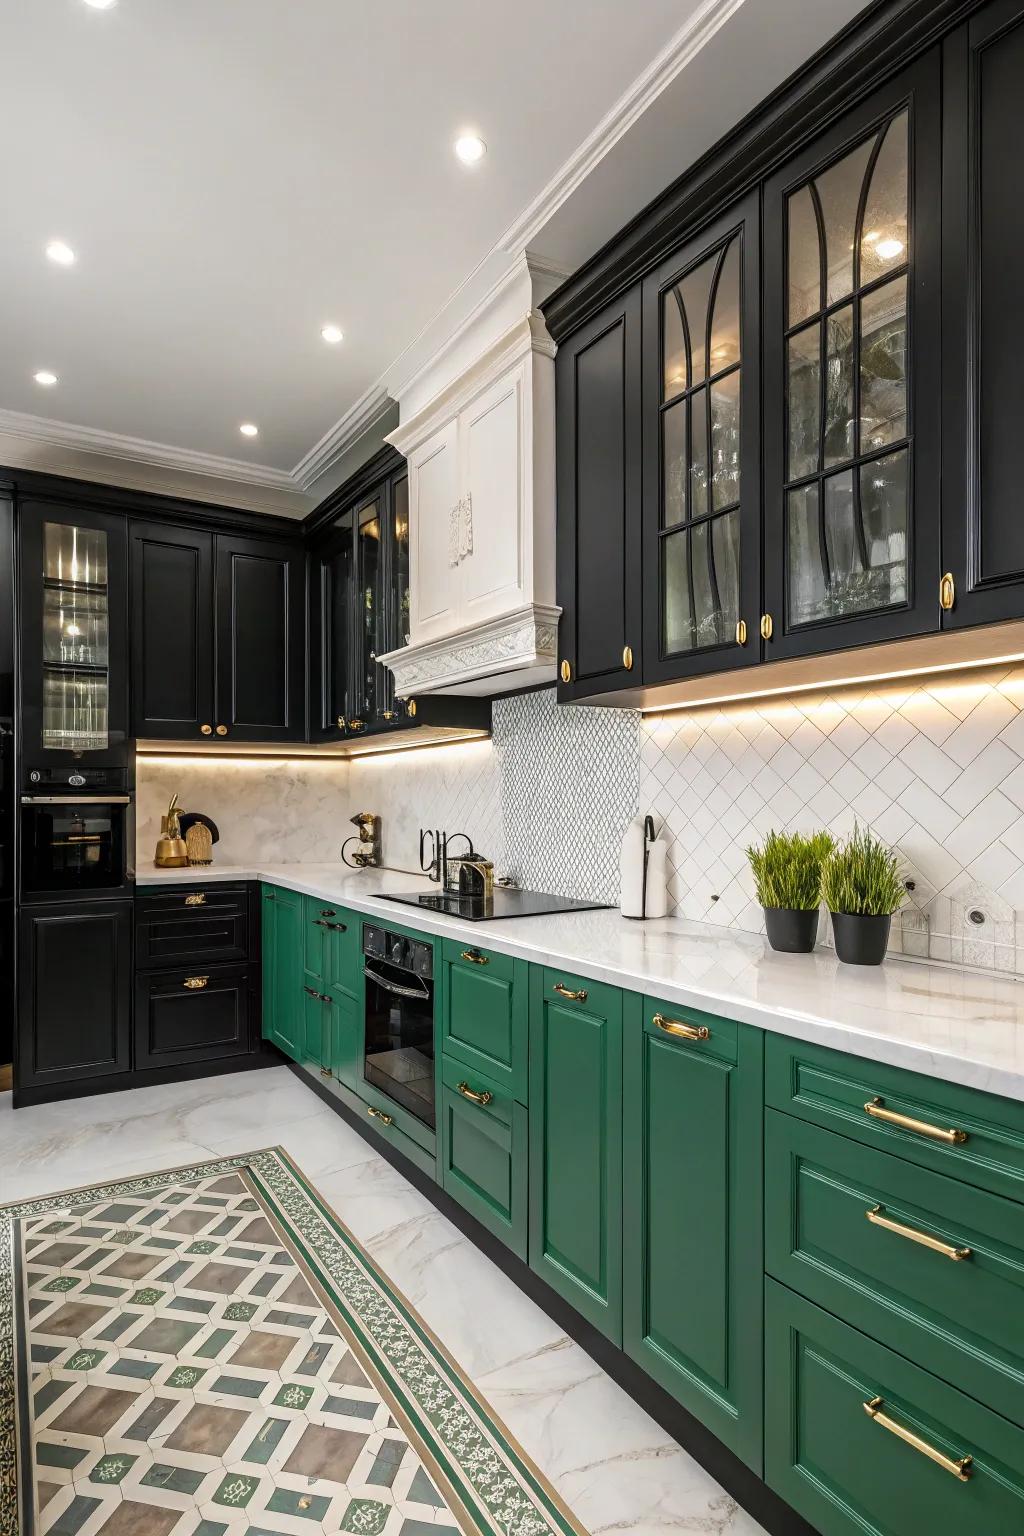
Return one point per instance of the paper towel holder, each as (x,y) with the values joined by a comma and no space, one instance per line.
(649,835)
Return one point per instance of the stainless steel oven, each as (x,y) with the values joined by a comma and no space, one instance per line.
(76,845)
(398,1056)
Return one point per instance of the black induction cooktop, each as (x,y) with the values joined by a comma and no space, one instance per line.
(503,903)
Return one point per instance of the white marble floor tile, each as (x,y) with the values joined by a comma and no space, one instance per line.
(613,1465)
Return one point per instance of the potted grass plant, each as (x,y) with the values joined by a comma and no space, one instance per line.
(787,873)
(862,887)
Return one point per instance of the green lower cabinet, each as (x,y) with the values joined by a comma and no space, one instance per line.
(345,1022)
(576,1142)
(316,1035)
(864,1442)
(483,1135)
(692,1231)
(283,997)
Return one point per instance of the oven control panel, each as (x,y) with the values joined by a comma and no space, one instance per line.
(71,779)
(398,950)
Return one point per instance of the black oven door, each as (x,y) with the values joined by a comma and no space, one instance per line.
(399,1059)
(75,845)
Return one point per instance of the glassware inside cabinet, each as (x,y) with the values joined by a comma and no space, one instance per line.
(76,638)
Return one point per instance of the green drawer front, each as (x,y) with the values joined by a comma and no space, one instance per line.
(964,1316)
(832,1089)
(404,1133)
(703,1033)
(485,1013)
(484,1153)
(845,1470)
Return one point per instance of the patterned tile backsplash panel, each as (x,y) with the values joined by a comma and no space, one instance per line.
(936,768)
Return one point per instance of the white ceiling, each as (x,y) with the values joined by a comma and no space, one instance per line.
(234,173)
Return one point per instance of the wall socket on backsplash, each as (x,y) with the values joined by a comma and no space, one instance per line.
(934,767)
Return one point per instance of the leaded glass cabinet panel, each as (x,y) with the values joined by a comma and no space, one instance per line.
(851,321)
(701,469)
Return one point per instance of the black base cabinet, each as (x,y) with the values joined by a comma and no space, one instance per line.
(190,1016)
(74,993)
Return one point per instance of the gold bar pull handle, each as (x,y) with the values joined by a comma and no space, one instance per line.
(378,1114)
(195,983)
(961,1467)
(947,592)
(878,1218)
(482,1099)
(474,957)
(876,1109)
(683,1030)
(574,997)
(196,899)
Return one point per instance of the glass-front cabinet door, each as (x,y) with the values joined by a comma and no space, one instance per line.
(73,644)
(701,457)
(851,378)
(331,606)
(371,678)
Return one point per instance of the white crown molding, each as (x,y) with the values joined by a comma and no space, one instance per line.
(680,51)
(367,411)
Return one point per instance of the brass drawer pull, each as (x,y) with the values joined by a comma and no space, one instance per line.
(475,1098)
(574,997)
(878,1218)
(961,1468)
(196,899)
(378,1114)
(326,1072)
(321,922)
(195,983)
(678,1027)
(474,957)
(876,1109)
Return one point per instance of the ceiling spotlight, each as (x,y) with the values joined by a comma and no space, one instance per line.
(61,253)
(44,376)
(101,5)
(470,148)
(247,429)
(332,334)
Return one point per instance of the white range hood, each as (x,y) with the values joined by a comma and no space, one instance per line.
(478,430)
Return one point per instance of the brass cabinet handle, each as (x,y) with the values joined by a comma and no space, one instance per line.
(878,1218)
(574,997)
(766,626)
(627,657)
(341,722)
(387,714)
(195,983)
(565,672)
(326,1072)
(357,725)
(222,730)
(321,922)
(876,1109)
(683,1030)
(474,957)
(473,1097)
(378,1114)
(410,707)
(961,1468)
(947,591)
(741,631)
(206,730)
(196,899)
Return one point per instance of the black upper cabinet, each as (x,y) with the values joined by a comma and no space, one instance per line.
(701,447)
(359,609)
(73,636)
(598,386)
(983,317)
(260,640)
(851,319)
(218,636)
(172,632)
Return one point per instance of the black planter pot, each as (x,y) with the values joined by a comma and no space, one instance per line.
(861,937)
(791,931)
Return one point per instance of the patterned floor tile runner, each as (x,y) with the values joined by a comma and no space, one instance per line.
(209,1352)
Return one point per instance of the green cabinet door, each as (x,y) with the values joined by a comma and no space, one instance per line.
(283,997)
(575,1228)
(692,1162)
(345,986)
(345,1026)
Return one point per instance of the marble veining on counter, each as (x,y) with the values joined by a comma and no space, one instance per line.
(948,1023)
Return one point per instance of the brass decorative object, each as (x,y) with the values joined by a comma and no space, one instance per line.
(369,850)
(199,843)
(171,852)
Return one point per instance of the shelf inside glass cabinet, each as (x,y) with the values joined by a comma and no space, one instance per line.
(76,638)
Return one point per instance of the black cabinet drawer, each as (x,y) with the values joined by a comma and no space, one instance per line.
(191,925)
(191,1015)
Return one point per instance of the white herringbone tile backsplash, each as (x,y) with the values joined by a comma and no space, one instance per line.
(934,768)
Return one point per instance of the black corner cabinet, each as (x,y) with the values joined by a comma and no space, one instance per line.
(788,393)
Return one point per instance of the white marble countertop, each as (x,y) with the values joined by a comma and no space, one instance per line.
(953,1024)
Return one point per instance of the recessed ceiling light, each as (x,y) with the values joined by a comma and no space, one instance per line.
(247,429)
(61,253)
(101,5)
(44,376)
(332,334)
(470,148)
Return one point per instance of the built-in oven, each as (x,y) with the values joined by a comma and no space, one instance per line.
(76,844)
(398,1058)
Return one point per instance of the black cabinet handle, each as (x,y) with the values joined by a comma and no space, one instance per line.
(320,922)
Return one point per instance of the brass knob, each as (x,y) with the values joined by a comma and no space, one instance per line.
(766,626)
(387,714)
(627,657)
(947,592)
(222,730)
(741,632)
(341,722)
(195,983)
(206,730)
(565,672)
